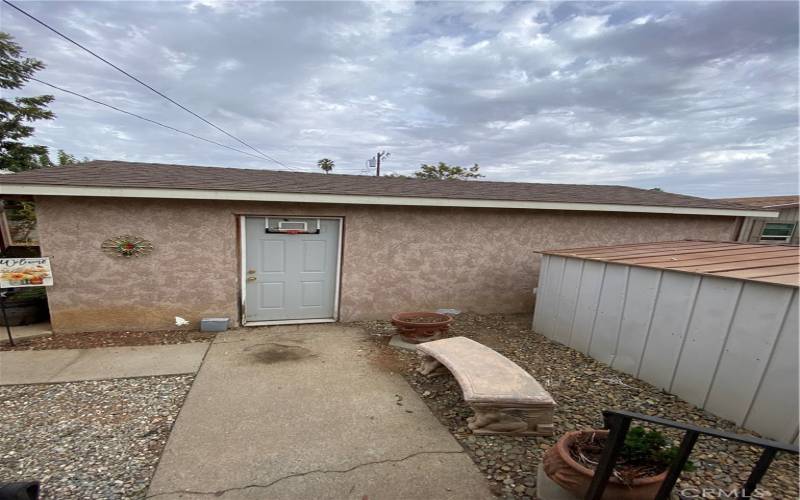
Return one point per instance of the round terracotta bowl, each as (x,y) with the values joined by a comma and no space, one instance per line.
(421,332)
(572,476)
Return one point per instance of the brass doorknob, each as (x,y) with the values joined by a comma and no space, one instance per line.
(251,278)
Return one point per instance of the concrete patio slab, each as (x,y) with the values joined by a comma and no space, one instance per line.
(308,414)
(69,365)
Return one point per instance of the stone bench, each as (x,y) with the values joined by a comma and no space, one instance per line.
(505,398)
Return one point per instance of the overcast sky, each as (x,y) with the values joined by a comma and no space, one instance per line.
(696,98)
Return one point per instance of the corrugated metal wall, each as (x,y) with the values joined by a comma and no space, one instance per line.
(726,345)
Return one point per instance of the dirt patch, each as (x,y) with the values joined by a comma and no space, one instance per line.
(582,388)
(386,359)
(278,353)
(89,340)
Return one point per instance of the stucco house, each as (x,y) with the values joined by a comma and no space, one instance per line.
(267,247)
(780,230)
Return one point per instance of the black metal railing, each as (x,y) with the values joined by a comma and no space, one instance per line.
(618,422)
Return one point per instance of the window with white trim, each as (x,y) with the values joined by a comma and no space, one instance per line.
(778,231)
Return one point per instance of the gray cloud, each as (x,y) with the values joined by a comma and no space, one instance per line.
(698,98)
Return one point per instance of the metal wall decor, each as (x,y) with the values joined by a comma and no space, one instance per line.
(127,246)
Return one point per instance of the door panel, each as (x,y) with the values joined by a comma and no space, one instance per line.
(271,295)
(290,276)
(312,293)
(273,256)
(314,253)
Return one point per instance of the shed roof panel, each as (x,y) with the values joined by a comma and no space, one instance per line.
(778,264)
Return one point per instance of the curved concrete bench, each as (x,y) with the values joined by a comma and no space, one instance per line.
(504,397)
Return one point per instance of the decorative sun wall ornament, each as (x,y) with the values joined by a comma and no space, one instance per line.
(127,246)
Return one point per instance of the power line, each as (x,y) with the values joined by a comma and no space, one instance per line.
(65,37)
(144,118)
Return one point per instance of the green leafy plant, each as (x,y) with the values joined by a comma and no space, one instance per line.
(17,114)
(326,165)
(444,171)
(642,445)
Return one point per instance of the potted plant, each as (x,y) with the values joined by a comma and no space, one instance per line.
(640,469)
(418,327)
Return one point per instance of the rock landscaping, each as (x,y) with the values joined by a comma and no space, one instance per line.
(582,388)
(88,340)
(88,440)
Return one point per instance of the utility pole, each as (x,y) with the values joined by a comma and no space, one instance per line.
(377,159)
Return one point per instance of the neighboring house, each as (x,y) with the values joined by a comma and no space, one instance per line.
(266,247)
(770,230)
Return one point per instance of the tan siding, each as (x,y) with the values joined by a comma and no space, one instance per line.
(791,215)
(394,258)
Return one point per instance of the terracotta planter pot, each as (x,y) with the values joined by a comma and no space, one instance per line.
(416,332)
(574,477)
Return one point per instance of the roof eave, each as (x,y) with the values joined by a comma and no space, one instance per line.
(783,205)
(230,195)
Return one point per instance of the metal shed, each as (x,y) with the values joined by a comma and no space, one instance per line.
(715,323)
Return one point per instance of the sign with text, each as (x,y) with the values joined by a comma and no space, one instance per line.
(25,272)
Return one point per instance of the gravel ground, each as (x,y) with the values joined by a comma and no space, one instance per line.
(88,440)
(88,340)
(582,388)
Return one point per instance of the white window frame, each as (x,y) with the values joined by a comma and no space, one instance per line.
(774,238)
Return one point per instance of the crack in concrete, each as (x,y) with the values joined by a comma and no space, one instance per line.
(81,354)
(218,341)
(219,493)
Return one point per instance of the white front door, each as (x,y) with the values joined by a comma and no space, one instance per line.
(290,276)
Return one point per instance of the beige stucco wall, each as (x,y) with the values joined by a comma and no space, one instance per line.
(394,258)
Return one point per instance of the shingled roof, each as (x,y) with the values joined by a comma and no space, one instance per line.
(151,176)
(786,201)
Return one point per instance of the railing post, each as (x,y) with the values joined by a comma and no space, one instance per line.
(758,472)
(618,422)
(675,468)
(618,426)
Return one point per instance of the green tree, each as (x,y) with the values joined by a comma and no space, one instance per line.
(17,114)
(444,171)
(23,213)
(326,165)
(64,159)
